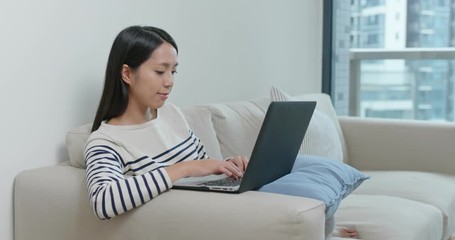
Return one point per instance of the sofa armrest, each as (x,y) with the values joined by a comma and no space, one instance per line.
(380,144)
(52,203)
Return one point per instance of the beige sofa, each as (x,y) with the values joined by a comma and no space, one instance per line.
(411,193)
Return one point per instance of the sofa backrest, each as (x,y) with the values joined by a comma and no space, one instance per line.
(199,119)
(231,129)
(237,126)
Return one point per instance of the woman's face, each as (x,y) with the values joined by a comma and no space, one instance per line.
(151,83)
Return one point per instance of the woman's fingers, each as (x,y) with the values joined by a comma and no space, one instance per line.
(232,167)
(233,170)
(238,163)
(245,162)
(241,162)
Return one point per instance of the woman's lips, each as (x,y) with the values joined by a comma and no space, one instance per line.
(163,96)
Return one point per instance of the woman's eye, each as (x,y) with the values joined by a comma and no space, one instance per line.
(160,72)
(174,72)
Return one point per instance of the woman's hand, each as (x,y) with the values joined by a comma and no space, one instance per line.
(240,161)
(234,167)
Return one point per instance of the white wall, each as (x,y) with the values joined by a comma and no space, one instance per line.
(53,55)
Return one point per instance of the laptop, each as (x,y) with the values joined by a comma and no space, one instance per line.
(273,155)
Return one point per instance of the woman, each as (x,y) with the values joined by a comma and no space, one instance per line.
(139,145)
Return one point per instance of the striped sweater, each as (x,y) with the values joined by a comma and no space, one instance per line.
(125,164)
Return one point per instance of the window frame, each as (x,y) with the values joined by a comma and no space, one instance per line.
(327,48)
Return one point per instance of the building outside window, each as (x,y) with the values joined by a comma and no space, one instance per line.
(393,58)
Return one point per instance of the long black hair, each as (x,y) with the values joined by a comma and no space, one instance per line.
(132,46)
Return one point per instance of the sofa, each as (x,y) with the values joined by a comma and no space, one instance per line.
(410,194)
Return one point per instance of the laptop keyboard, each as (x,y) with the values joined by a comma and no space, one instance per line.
(228,182)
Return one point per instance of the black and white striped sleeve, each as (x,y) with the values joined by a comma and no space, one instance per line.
(200,150)
(110,191)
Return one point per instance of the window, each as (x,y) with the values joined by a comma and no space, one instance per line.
(372,39)
(442,3)
(372,3)
(401,61)
(373,20)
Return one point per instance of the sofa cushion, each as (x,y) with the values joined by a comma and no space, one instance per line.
(325,105)
(75,144)
(429,188)
(322,137)
(51,203)
(318,178)
(199,119)
(237,124)
(378,217)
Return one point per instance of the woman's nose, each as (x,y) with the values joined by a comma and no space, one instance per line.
(169,80)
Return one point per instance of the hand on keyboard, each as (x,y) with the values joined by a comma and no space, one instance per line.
(240,161)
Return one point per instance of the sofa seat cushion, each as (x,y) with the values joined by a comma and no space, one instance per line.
(429,188)
(393,218)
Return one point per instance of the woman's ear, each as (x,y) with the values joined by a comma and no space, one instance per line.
(127,74)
